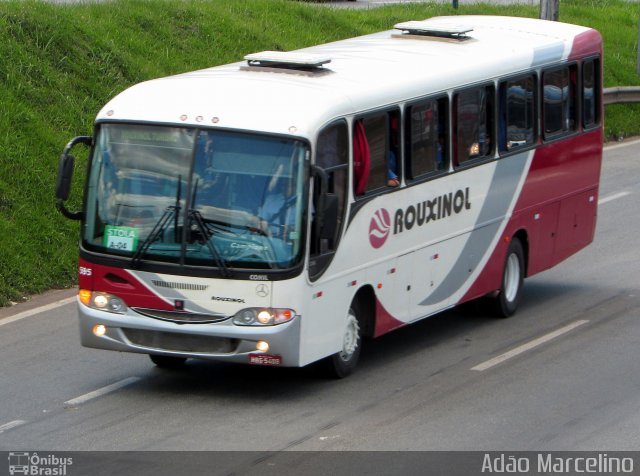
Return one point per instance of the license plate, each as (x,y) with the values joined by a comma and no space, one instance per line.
(265,359)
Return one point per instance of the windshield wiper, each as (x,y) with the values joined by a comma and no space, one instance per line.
(196,216)
(159,227)
(227,227)
(155,234)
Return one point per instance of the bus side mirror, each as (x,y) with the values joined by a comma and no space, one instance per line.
(65,176)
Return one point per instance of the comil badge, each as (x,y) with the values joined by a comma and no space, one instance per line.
(379,228)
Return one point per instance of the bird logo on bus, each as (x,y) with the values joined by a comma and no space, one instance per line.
(379,228)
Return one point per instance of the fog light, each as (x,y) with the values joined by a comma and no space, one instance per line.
(262,346)
(99,330)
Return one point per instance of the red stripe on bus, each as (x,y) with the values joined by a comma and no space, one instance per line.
(121,283)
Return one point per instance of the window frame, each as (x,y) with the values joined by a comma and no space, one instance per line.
(573,95)
(319,258)
(411,177)
(490,87)
(597,93)
(388,112)
(502,98)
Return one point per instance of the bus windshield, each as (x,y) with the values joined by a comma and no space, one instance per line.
(196,197)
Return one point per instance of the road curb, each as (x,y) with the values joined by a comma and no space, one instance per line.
(623,143)
(36,302)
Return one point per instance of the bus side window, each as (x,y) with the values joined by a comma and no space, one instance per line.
(559,96)
(517,113)
(590,93)
(426,138)
(332,155)
(382,163)
(473,116)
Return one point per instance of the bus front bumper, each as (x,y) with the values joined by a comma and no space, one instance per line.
(223,341)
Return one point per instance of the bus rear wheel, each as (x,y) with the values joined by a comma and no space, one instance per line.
(508,297)
(343,363)
(167,362)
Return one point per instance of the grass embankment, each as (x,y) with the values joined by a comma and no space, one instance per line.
(61,63)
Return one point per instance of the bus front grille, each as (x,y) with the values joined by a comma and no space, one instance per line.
(181,317)
(181,342)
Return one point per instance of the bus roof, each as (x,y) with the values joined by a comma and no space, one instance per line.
(364,73)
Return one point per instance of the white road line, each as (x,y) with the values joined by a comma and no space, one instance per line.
(37,310)
(102,391)
(11,424)
(528,346)
(615,196)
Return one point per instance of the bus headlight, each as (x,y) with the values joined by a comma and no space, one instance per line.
(102,301)
(257,316)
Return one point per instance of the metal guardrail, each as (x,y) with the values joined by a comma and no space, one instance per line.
(621,94)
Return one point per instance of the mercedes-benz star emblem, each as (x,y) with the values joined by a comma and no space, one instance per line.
(262,290)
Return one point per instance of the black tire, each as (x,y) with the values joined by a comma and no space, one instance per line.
(167,362)
(508,297)
(343,363)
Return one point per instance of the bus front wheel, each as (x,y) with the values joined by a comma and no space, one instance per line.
(343,363)
(508,297)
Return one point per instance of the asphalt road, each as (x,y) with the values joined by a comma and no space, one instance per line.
(566,377)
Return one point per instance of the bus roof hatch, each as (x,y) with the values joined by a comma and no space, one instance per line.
(287,60)
(437,29)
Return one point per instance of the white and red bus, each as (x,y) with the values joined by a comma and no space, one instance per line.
(278,210)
